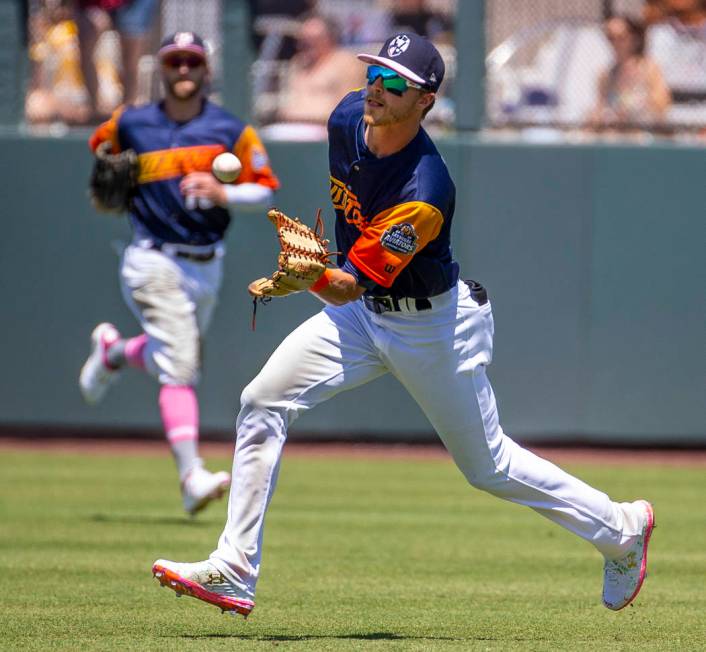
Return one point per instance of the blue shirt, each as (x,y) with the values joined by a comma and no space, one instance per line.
(394,213)
(169,150)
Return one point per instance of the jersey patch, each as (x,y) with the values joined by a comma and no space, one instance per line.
(259,159)
(400,238)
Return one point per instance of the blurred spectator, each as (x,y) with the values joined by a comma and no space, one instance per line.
(632,91)
(55,91)
(319,75)
(361,21)
(678,44)
(416,16)
(653,11)
(133,21)
(269,25)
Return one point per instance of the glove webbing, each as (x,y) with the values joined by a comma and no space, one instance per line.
(319,232)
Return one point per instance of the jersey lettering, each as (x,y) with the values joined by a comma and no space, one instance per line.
(345,201)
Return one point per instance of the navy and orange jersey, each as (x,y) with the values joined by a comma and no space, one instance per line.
(169,150)
(393,214)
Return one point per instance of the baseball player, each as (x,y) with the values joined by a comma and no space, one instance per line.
(396,305)
(171,272)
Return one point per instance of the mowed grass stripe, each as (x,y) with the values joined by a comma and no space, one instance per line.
(359,554)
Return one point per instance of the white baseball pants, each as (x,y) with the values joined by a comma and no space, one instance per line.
(439,356)
(173,299)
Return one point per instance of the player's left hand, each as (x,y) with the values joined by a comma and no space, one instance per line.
(204,185)
(278,285)
(302,258)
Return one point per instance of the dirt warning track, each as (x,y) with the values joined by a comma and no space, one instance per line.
(559,454)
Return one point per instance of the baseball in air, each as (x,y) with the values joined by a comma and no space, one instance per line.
(226,167)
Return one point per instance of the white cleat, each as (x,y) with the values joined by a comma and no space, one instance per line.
(200,487)
(623,577)
(202,580)
(96,377)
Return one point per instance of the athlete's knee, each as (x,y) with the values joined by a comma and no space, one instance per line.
(187,364)
(174,365)
(256,397)
(490,476)
(487,466)
(489,480)
(257,401)
(260,419)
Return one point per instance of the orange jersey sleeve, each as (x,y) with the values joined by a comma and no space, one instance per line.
(107,131)
(392,238)
(256,165)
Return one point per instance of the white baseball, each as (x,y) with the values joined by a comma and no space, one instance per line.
(226,167)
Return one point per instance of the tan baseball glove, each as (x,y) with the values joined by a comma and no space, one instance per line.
(302,258)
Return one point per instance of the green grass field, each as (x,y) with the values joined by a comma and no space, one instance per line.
(359,555)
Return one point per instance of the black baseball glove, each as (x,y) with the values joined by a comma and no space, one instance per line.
(113,179)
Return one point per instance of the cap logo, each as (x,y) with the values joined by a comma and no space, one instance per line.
(398,45)
(182,39)
(432,78)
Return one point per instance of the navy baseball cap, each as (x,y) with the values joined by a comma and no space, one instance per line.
(183,42)
(413,57)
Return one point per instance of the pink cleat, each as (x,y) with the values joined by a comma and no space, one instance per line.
(623,577)
(202,580)
(96,376)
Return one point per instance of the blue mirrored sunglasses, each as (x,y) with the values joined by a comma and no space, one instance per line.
(391,81)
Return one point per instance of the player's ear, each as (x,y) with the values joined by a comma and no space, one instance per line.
(426,101)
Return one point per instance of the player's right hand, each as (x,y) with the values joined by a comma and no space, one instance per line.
(203,185)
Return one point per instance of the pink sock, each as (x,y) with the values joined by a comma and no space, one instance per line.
(135,351)
(180,412)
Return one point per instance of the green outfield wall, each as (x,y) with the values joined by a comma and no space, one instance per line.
(593,257)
